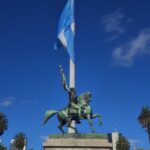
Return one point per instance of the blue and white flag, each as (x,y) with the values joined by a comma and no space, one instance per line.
(66,29)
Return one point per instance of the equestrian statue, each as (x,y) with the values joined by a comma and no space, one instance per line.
(77,109)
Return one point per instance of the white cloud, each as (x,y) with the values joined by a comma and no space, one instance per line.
(26,101)
(115,23)
(126,54)
(134,142)
(43,137)
(7,102)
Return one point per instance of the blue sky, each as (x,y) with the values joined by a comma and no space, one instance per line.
(112,61)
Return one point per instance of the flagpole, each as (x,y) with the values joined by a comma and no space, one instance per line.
(72,69)
(72,85)
(72,74)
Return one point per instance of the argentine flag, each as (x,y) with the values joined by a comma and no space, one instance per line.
(66,30)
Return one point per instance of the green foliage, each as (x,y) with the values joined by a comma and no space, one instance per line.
(144,119)
(20,141)
(80,136)
(3,123)
(140,149)
(2,147)
(122,143)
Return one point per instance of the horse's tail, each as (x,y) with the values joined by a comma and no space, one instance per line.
(49,114)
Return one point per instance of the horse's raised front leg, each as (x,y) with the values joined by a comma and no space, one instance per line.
(97,116)
(91,123)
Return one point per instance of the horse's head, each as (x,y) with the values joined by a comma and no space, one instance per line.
(85,98)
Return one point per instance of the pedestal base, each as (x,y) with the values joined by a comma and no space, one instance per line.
(80,142)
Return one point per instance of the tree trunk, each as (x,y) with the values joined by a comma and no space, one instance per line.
(148,131)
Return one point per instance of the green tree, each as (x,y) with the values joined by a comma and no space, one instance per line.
(20,141)
(144,119)
(3,123)
(140,149)
(122,143)
(2,147)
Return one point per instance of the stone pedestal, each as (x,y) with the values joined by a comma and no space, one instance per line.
(80,142)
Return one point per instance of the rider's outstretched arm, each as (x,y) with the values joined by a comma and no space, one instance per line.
(63,78)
